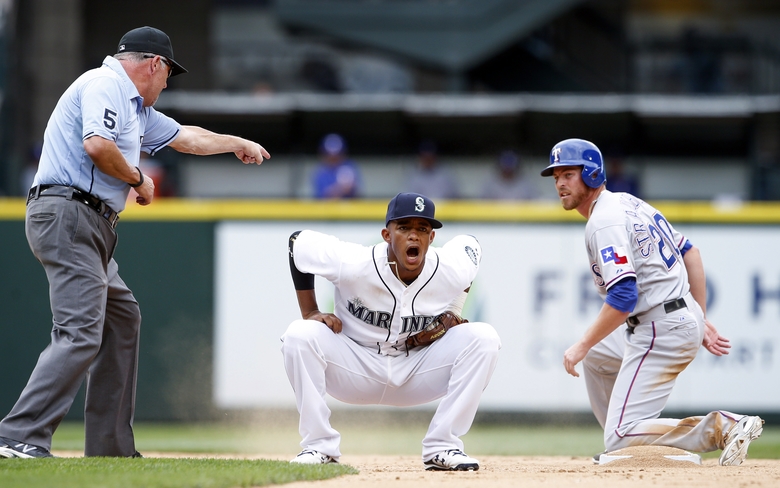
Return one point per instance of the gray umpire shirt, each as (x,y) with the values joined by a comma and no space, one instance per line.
(101,102)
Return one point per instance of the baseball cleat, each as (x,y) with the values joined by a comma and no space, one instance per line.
(10,448)
(597,457)
(452,460)
(738,439)
(310,456)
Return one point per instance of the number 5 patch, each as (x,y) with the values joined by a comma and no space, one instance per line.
(109,119)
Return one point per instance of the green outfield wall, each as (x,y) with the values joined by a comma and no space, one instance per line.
(169,267)
(166,256)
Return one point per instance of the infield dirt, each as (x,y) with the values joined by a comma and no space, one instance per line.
(540,471)
(500,472)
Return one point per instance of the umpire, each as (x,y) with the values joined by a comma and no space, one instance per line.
(90,158)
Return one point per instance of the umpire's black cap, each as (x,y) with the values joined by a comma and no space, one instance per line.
(409,205)
(150,40)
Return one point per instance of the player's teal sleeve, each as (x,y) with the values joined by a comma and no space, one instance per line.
(623,295)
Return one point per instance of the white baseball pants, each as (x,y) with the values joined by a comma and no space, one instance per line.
(629,377)
(455,368)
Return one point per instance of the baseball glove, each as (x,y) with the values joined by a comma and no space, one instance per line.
(437,328)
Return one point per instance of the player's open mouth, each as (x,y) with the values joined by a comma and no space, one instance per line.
(412,253)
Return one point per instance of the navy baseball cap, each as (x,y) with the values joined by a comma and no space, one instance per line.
(410,205)
(150,40)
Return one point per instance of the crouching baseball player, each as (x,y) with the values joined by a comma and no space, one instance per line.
(389,340)
(653,319)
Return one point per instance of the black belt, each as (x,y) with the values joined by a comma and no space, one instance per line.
(73,193)
(669,307)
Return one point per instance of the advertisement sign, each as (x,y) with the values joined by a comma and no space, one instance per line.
(534,287)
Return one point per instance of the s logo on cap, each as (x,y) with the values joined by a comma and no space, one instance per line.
(419,204)
(556,153)
(411,205)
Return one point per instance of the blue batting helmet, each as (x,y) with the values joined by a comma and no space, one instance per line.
(578,152)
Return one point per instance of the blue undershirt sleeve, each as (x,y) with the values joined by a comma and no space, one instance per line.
(685,248)
(623,295)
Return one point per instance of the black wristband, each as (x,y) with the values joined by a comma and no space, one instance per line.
(141,182)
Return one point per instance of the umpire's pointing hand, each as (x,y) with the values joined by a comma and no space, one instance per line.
(252,153)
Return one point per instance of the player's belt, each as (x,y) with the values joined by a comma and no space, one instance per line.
(668,307)
(73,193)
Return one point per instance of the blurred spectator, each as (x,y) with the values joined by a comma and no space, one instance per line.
(261,88)
(336,176)
(508,183)
(429,178)
(618,179)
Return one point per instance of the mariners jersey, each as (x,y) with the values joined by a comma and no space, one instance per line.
(376,309)
(627,237)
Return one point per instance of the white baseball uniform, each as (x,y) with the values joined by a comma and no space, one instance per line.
(368,362)
(630,374)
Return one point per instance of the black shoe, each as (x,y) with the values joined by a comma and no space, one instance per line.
(136,454)
(452,460)
(10,448)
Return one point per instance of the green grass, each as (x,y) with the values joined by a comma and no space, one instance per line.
(158,473)
(404,439)
(534,441)
(281,438)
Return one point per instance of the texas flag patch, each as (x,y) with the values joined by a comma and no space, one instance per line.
(614,254)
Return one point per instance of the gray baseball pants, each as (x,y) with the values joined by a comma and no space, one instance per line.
(95,334)
(630,375)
